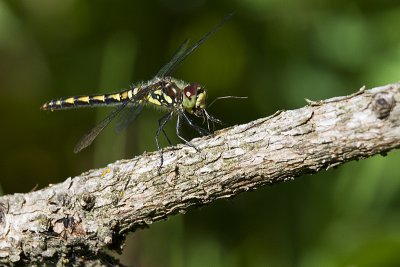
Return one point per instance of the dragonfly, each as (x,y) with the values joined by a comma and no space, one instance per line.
(173,96)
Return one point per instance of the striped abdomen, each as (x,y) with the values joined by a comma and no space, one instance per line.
(90,101)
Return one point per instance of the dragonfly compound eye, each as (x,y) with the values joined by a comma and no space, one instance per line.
(190,96)
(201,98)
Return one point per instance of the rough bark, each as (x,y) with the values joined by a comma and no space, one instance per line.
(74,220)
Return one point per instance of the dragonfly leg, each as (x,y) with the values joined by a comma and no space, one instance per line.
(211,119)
(201,131)
(162,129)
(161,124)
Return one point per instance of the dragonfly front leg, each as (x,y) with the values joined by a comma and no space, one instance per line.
(201,131)
(161,124)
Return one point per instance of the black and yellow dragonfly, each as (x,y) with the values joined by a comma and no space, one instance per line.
(175,97)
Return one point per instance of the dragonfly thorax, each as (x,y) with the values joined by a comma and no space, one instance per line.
(194,99)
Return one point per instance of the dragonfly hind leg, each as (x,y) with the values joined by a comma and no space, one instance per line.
(161,124)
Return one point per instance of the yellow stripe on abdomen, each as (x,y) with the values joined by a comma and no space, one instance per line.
(90,100)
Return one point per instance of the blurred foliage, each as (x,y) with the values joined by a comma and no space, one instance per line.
(275,52)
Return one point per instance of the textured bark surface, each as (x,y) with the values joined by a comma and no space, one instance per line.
(82,215)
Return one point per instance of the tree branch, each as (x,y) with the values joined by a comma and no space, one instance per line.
(82,215)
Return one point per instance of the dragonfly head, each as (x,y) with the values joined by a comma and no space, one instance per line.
(194,99)
(194,102)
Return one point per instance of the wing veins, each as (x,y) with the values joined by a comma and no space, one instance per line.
(89,137)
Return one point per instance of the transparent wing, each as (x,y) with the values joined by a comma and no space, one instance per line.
(183,52)
(89,137)
(128,116)
(169,67)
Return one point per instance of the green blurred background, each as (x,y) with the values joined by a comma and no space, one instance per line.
(275,52)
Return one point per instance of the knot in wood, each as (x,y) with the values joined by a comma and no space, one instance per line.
(87,201)
(382,105)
